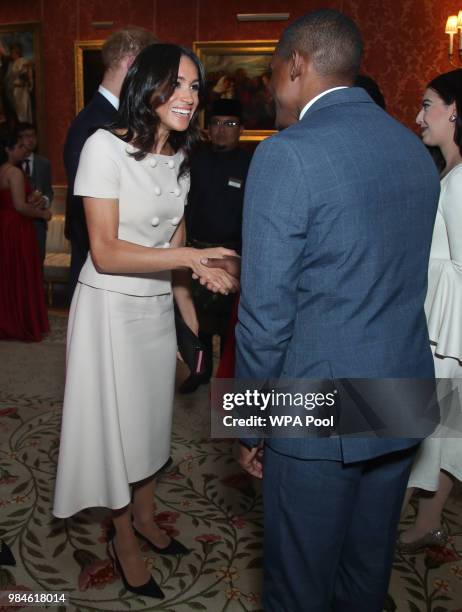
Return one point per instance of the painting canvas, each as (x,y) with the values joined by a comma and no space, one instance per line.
(240,69)
(89,71)
(20,75)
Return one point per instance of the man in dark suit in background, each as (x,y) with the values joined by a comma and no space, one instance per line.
(118,53)
(38,171)
(214,218)
(338,217)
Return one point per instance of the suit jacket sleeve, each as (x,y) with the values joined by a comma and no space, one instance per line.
(274,239)
(45,180)
(73,146)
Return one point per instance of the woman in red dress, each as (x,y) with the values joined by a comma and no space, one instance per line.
(23,313)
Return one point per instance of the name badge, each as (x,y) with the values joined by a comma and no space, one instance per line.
(234,182)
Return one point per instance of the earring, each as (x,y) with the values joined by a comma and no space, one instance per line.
(453,117)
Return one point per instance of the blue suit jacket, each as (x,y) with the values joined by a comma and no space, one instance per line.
(338,217)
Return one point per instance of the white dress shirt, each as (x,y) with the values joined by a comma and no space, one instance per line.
(110,97)
(313,100)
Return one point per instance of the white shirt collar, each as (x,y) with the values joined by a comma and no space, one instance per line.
(316,98)
(110,97)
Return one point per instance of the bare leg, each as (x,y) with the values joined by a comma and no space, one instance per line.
(143,512)
(430,510)
(127,548)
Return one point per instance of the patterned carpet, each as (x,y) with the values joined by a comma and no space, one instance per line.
(203,498)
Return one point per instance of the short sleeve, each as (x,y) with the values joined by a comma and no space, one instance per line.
(98,174)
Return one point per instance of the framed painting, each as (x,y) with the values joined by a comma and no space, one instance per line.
(89,70)
(240,69)
(21,97)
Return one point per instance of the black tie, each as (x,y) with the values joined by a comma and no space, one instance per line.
(27,166)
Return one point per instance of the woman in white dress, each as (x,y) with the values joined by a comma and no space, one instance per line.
(121,353)
(439,461)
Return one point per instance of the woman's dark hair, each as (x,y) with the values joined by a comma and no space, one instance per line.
(8,141)
(449,88)
(372,88)
(150,82)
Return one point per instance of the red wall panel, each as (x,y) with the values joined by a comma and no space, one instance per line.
(405,44)
(59,30)
(121,12)
(176,21)
(24,10)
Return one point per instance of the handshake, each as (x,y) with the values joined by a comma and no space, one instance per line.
(219,274)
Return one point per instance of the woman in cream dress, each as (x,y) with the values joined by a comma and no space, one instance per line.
(121,352)
(439,461)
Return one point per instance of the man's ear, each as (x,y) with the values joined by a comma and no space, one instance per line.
(127,61)
(297,62)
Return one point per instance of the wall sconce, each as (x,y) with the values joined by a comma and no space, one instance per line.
(263,16)
(102,25)
(453,26)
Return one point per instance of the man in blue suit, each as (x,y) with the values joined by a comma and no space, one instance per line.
(338,217)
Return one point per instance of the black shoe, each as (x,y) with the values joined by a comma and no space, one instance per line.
(173,548)
(6,556)
(193,382)
(148,589)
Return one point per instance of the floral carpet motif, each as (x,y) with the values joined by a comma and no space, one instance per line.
(202,498)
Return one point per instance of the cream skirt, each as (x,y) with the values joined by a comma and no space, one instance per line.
(117,414)
(443,450)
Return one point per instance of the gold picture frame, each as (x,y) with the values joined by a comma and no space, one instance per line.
(239,68)
(88,70)
(21,86)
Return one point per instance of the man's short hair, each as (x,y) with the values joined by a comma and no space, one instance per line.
(329,38)
(125,42)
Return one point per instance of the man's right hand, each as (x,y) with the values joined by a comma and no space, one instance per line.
(251,461)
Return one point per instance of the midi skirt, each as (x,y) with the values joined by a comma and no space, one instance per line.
(443,449)
(118,401)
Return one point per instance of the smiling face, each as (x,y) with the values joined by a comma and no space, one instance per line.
(435,120)
(177,112)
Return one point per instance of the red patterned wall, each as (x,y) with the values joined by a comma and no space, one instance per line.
(405,41)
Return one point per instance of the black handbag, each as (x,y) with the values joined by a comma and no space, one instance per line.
(189,346)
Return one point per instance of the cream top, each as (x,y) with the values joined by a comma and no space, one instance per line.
(151,204)
(443,305)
